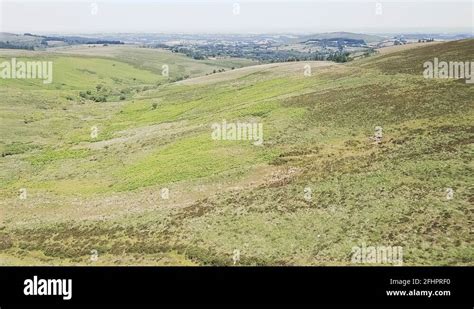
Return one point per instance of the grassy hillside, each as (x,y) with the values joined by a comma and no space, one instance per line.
(411,61)
(105,194)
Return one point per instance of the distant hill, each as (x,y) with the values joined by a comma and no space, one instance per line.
(341,35)
(32,41)
(15,41)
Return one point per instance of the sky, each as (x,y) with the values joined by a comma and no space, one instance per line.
(244,16)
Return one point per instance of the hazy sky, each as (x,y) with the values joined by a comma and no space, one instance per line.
(245,16)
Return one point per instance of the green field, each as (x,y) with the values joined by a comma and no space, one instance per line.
(103,195)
